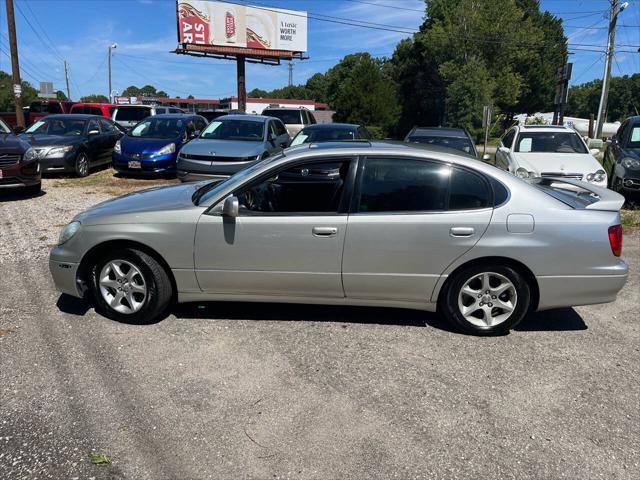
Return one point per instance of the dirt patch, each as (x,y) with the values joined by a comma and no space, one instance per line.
(109,182)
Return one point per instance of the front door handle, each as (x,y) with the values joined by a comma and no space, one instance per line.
(462,231)
(324,231)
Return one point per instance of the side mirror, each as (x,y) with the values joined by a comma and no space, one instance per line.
(18,129)
(231,207)
(594,151)
(504,149)
(93,132)
(486,157)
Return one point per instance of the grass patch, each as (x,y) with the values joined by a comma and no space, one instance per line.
(106,181)
(99,458)
(630,217)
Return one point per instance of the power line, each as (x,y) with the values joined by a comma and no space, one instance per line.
(34,30)
(44,31)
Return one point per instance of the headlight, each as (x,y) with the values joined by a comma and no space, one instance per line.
(631,163)
(171,148)
(58,151)
(597,177)
(522,172)
(117,148)
(29,155)
(69,231)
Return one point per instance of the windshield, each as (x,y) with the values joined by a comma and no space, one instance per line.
(457,143)
(134,114)
(309,135)
(57,126)
(154,127)
(4,128)
(243,130)
(210,190)
(550,142)
(290,117)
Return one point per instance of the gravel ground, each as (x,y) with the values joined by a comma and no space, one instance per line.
(259,391)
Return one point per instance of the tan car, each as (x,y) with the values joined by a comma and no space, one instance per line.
(294,119)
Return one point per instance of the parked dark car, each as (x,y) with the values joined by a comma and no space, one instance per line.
(455,138)
(151,147)
(73,142)
(19,166)
(622,158)
(330,132)
(230,144)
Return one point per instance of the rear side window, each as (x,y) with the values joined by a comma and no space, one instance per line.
(468,190)
(95,111)
(402,185)
(280,128)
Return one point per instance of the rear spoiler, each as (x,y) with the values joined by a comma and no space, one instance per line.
(591,196)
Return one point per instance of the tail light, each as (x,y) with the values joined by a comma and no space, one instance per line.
(615,239)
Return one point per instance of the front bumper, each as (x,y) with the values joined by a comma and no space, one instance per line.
(159,165)
(20,175)
(64,164)
(64,274)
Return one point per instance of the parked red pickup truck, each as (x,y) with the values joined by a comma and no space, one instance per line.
(36,110)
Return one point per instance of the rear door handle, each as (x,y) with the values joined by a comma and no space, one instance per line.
(462,231)
(324,231)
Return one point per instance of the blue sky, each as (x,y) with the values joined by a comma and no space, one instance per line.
(80,31)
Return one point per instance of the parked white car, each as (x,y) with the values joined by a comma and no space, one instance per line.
(530,151)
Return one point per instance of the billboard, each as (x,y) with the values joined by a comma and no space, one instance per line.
(224,24)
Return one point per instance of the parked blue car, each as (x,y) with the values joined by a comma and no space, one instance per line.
(151,147)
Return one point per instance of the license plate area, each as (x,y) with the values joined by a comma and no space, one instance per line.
(134,164)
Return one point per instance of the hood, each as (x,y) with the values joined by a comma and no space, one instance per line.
(223,148)
(631,152)
(146,145)
(139,207)
(562,163)
(51,140)
(10,143)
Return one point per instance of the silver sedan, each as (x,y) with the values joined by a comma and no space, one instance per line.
(352,224)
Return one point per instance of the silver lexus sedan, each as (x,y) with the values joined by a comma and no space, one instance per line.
(361,223)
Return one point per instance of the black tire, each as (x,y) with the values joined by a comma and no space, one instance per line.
(155,278)
(82,164)
(449,301)
(33,189)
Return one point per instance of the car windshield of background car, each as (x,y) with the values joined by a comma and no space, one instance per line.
(242,130)
(132,114)
(549,142)
(4,128)
(57,126)
(158,128)
(457,143)
(323,135)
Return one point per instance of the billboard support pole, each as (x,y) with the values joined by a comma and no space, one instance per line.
(242,85)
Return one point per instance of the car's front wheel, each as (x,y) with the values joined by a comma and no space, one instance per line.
(131,286)
(82,165)
(486,299)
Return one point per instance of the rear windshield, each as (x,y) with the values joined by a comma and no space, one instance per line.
(457,143)
(550,142)
(289,117)
(134,114)
(568,194)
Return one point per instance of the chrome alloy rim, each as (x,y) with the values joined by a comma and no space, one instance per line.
(122,286)
(83,164)
(487,299)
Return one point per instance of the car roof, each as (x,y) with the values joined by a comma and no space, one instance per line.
(439,131)
(253,118)
(328,126)
(74,116)
(177,115)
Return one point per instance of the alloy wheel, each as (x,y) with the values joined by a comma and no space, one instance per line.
(122,286)
(487,299)
(82,165)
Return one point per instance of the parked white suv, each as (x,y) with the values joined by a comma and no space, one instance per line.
(128,116)
(530,151)
(294,119)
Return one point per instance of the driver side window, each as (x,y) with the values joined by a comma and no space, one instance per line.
(314,188)
(93,125)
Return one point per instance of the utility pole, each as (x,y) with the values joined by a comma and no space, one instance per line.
(15,66)
(242,84)
(115,45)
(66,77)
(290,72)
(604,96)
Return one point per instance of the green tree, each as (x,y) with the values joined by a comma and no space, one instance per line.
(146,91)
(7,103)
(95,98)
(61,96)
(624,98)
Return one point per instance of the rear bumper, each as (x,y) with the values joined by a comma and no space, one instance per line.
(571,291)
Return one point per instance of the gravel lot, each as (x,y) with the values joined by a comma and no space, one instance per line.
(259,391)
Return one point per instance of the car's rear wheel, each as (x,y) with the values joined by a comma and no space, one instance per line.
(486,299)
(82,165)
(131,287)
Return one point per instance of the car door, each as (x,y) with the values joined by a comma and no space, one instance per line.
(410,219)
(282,136)
(272,138)
(111,136)
(504,150)
(287,239)
(95,141)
